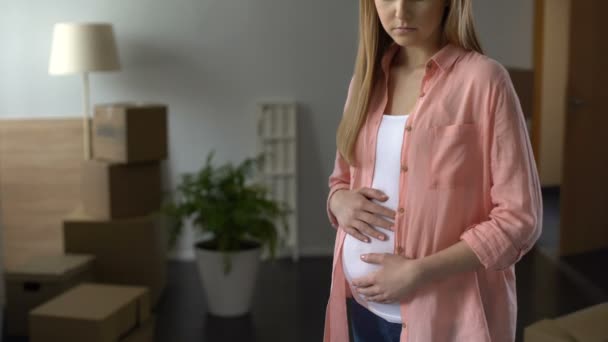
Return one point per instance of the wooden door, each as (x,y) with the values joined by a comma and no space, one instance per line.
(584,190)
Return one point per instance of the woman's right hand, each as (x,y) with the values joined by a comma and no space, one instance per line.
(356,212)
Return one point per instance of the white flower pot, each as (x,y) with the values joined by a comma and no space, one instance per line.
(228,295)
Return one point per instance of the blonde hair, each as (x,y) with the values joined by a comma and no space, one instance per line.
(458,29)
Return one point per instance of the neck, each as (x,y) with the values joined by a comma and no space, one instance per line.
(415,57)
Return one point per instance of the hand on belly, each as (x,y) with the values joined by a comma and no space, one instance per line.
(353,248)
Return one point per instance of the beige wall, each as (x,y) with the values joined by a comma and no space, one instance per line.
(553,96)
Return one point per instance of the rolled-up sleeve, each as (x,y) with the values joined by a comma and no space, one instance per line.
(339,179)
(340,176)
(515,220)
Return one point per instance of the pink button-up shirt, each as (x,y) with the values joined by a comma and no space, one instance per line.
(468,173)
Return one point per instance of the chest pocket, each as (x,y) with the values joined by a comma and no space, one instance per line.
(456,156)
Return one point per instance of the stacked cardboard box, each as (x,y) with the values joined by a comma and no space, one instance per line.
(114,191)
(119,231)
(95,313)
(585,325)
(118,220)
(123,179)
(129,133)
(38,280)
(128,251)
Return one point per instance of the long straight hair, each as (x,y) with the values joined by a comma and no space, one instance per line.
(457,28)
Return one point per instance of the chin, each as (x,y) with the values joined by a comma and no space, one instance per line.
(406,41)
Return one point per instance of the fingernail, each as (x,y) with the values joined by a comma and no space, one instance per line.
(363,257)
(380,237)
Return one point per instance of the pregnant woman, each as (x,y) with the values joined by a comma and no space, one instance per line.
(434,193)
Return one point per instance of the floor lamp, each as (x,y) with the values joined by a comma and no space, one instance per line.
(83,48)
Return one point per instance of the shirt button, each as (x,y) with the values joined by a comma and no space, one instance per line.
(403,325)
(408,128)
(422,94)
(401,210)
(399,250)
(404,168)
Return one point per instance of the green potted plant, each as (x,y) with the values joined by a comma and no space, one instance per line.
(241,222)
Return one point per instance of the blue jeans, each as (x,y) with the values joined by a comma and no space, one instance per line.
(365,326)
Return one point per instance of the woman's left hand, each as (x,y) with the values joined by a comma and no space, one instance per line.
(398,277)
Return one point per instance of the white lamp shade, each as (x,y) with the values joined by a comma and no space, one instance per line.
(83,47)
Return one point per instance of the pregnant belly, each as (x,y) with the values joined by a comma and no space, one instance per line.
(352,249)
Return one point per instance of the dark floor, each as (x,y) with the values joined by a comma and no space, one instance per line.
(549,239)
(290,298)
(586,267)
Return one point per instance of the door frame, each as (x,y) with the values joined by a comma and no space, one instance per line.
(539,22)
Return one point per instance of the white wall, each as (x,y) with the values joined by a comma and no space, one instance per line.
(506,30)
(210,61)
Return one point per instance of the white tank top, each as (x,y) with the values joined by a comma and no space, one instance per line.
(386,178)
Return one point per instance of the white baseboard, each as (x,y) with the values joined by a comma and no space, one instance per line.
(181,255)
(184,247)
(317,251)
(309,251)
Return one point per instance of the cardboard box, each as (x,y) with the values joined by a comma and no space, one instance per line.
(113,191)
(38,280)
(128,251)
(127,132)
(145,332)
(94,313)
(588,325)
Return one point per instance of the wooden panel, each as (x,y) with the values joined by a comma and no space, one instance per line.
(539,37)
(39,183)
(584,190)
(553,83)
(523,82)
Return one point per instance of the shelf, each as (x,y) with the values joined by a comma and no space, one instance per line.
(277,141)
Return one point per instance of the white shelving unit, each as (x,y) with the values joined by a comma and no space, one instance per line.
(277,140)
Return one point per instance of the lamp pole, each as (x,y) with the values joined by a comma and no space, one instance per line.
(86,123)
